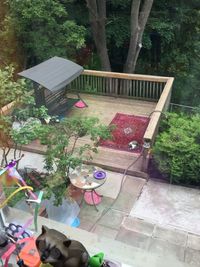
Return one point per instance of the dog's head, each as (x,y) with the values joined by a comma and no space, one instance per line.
(58,250)
(52,245)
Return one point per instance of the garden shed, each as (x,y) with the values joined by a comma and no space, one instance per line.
(50,79)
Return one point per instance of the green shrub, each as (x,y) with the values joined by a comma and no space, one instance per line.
(11,90)
(63,151)
(177,148)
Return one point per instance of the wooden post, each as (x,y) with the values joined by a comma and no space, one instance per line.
(145,156)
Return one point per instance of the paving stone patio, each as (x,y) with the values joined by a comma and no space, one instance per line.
(156,218)
(169,205)
(122,223)
(117,212)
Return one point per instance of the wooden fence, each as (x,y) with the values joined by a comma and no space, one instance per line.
(119,84)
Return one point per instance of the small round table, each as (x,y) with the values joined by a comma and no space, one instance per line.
(83,178)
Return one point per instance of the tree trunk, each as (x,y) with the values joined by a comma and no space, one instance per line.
(140,11)
(97,14)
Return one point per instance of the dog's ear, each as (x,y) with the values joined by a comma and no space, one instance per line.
(67,243)
(44,229)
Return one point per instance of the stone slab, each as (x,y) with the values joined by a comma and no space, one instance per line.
(112,219)
(164,248)
(112,185)
(193,242)
(132,238)
(138,225)
(108,232)
(192,257)
(85,224)
(171,235)
(88,212)
(169,206)
(124,202)
(133,185)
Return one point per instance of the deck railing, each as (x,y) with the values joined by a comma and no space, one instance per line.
(161,107)
(144,87)
(120,84)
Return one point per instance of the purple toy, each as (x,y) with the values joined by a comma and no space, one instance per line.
(11,164)
(99,175)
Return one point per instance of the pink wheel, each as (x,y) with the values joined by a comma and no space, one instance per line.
(89,200)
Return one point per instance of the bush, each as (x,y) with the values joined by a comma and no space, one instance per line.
(63,151)
(177,148)
(11,90)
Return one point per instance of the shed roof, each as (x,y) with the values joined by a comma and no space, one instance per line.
(54,73)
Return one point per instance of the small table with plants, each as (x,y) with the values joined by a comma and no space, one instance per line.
(88,178)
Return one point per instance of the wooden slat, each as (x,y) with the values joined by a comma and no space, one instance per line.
(7,109)
(134,89)
(147,90)
(116,86)
(126,76)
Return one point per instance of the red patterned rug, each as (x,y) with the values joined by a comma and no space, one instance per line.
(127,128)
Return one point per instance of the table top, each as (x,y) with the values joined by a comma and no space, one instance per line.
(83,177)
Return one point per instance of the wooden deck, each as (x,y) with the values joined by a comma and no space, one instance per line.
(105,108)
(133,94)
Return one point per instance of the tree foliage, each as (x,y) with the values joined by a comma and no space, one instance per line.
(139,14)
(177,149)
(170,42)
(10,89)
(44,30)
(24,113)
(63,152)
(11,51)
(173,30)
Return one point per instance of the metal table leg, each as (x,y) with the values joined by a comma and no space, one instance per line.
(92,192)
(97,193)
(82,198)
